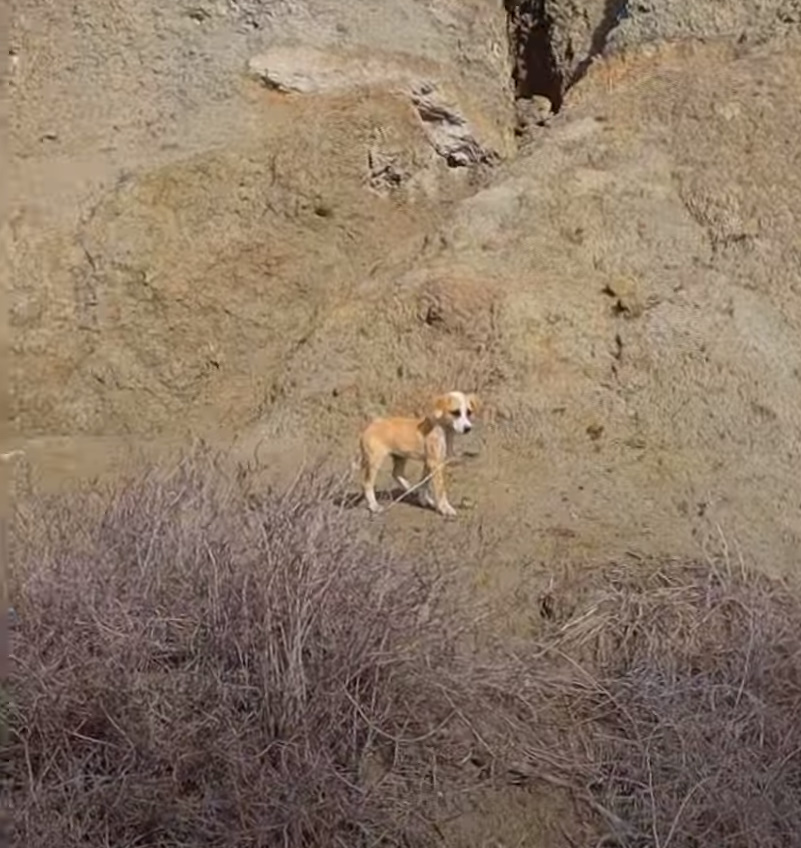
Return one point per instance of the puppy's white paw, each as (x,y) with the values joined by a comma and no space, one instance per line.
(447,510)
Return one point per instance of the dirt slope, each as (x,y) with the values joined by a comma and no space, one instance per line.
(196,252)
(626,296)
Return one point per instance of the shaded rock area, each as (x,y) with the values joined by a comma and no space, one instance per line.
(554,42)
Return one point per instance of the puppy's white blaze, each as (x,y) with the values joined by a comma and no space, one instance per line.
(461,424)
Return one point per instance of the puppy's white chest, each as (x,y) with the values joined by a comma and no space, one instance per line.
(437,443)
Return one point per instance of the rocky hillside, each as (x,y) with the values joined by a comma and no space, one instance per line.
(261,222)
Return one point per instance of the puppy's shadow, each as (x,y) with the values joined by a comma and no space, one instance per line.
(355,500)
(350,500)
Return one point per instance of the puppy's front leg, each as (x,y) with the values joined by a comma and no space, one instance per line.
(438,484)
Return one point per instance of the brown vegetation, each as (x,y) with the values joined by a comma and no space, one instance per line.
(198,664)
(686,705)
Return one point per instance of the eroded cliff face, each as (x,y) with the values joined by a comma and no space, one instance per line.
(163,182)
(261,223)
(554,42)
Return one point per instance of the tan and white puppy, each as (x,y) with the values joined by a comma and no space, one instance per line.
(428,439)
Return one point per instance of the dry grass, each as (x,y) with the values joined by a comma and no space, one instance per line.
(683,692)
(196,664)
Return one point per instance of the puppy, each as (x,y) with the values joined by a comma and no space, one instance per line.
(428,439)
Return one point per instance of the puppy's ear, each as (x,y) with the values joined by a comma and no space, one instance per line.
(473,403)
(441,405)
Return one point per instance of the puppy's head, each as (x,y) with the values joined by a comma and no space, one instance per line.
(455,411)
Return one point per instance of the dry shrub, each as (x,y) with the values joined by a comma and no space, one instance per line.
(198,665)
(681,683)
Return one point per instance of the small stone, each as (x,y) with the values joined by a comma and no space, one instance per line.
(595,431)
(541,107)
(625,291)
(535,110)
(448,129)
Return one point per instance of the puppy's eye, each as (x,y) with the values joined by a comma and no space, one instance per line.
(454,413)
(469,413)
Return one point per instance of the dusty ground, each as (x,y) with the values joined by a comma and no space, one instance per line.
(193,253)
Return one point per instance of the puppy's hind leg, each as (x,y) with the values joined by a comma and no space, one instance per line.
(398,469)
(371,462)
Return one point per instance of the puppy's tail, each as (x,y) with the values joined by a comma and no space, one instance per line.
(358,460)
